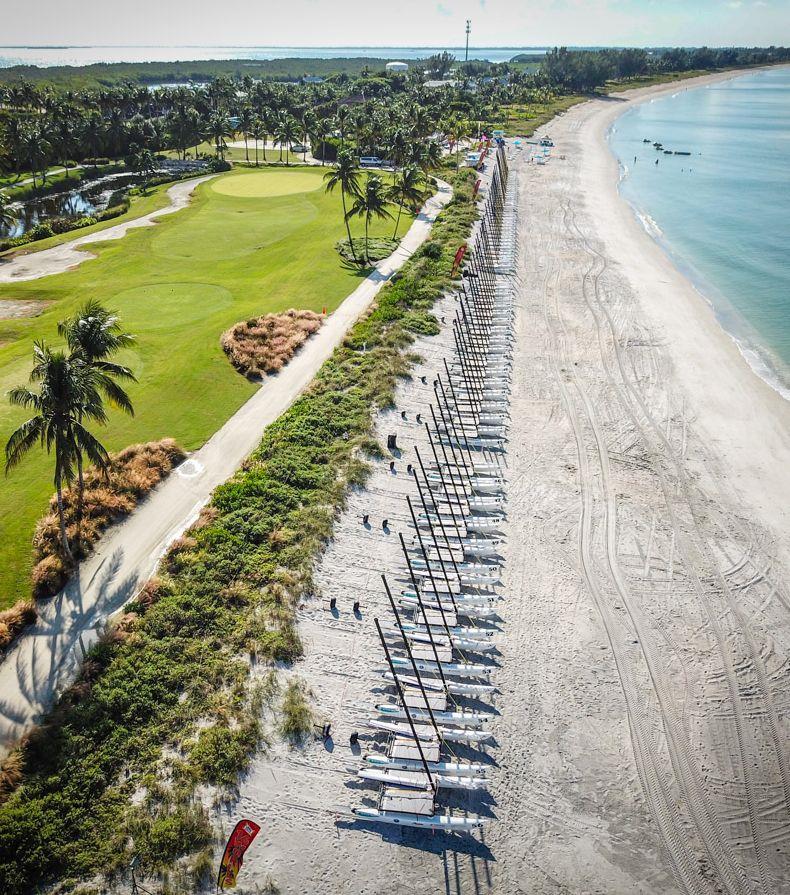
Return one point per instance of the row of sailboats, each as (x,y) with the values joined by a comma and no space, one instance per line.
(439,642)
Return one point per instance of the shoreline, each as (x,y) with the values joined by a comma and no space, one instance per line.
(746,419)
(759,357)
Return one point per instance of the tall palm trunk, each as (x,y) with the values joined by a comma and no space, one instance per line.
(64,540)
(397,222)
(80,499)
(367,253)
(348,227)
(256,152)
(264,146)
(246,149)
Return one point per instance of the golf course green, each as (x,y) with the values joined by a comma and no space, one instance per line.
(252,241)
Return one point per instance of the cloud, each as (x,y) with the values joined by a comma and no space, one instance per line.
(443,10)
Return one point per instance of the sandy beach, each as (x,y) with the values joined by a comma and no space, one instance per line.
(642,726)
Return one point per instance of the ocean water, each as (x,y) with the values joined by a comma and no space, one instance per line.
(723,212)
(48,56)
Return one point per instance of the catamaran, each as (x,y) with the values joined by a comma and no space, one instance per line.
(459,669)
(453,768)
(459,719)
(447,822)
(455,688)
(429,734)
(420,781)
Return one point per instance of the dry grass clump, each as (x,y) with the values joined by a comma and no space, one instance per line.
(265,344)
(14,620)
(11,772)
(297,718)
(133,472)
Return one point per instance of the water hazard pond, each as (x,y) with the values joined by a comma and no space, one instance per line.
(90,197)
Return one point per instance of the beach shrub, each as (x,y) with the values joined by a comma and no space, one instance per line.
(296,714)
(14,620)
(132,473)
(182,663)
(57,226)
(378,248)
(264,345)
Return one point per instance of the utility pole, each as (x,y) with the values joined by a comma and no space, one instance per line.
(468,29)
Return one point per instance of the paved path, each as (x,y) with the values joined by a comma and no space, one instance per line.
(58,169)
(45,660)
(62,257)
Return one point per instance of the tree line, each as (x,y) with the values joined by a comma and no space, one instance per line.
(580,71)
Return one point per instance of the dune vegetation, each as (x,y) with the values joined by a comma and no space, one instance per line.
(130,475)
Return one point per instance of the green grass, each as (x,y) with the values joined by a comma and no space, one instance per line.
(523,119)
(238,155)
(650,80)
(177,286)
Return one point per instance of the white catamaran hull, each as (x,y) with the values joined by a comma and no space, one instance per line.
(433,822)
(453,768)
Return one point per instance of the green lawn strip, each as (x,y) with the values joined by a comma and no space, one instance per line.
(523,119)
(175,675)
(178,286)
(238,155)
(616,86)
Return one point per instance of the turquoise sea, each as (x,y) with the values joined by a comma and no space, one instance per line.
(723,212)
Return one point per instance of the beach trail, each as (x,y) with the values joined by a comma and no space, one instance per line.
(45,659)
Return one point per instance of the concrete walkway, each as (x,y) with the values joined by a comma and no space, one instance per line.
(33,265)
(46,659)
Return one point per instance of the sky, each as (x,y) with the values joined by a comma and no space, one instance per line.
(402,23)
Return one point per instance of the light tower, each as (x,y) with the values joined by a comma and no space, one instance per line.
(468,29)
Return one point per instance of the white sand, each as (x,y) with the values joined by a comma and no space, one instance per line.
(642,745)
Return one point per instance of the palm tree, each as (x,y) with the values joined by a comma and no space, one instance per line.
(308,124)
(36,151)
(66,396)
(142,161)
(342,117)
(432,156)
(246,123)
(217,129)
(8,216)
(371,202)
(406,190)
(93,133)
(93,335)
(286,131)
(258,133)
(320,132)
(346,176)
